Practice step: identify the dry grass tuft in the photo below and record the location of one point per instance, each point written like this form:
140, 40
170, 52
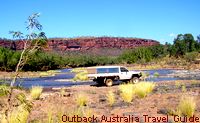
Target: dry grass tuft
142, 89
62, 91
78, 70
127, 92
36, 91
183, 88
19, 115
4, 90
187, 106
111, 98
81, 76
81, 100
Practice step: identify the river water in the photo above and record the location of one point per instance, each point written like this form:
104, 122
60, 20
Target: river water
63, 78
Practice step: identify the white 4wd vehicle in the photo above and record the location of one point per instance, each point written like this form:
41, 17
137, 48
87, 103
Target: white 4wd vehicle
107, 74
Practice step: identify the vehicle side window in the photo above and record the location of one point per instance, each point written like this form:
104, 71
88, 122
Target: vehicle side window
108, 70
102, 70
113, 70
122, 69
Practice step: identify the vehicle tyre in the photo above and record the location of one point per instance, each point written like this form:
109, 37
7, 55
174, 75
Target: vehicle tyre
134, 80
109, 82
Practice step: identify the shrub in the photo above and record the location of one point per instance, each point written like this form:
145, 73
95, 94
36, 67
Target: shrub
19, 115
81, 76
62, 91
4, 90
127, 92
81, 100
50, 117
156, 74
192, 56
183, 88
78, 70
141, 55
178, 84
142, 89
36, 91
111, 98
187, 106
145, 75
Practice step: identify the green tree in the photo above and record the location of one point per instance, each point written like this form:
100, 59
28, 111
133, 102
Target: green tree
32, 42
197, 44
183, 44
8, 59
158, 51
190, 42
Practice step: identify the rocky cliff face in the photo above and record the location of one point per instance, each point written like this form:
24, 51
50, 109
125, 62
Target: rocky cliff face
85, 43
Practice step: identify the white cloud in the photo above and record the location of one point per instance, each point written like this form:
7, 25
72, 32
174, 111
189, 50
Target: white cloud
172, 35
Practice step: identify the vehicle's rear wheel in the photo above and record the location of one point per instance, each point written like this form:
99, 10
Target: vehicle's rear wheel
109, 82
134, 80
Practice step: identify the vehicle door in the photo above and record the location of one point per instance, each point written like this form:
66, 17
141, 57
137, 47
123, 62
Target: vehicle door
124, 74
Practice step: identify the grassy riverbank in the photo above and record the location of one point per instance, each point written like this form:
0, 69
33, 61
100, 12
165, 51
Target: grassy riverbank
29, 74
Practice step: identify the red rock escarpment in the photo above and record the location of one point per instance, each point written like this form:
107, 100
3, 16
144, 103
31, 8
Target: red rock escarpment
85, 43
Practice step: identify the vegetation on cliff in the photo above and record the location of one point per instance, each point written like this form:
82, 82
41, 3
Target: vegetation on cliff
184, 47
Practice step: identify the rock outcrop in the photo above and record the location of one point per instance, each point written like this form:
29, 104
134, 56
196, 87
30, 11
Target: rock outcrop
85, 43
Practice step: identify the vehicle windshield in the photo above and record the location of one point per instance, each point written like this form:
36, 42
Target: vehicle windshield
122, 69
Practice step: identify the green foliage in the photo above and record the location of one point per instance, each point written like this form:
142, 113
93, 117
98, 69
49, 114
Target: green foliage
158, 51
156, 74
183, 44
8, 59
132, 56
143, 54
145, 75
41, 60
192, 56
80, 60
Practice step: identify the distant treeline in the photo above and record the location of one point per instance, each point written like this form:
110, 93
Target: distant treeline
41, 60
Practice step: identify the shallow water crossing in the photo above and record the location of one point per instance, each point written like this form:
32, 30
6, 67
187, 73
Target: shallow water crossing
64, 78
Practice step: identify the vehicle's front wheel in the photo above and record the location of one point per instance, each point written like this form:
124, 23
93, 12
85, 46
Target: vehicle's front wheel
109, 82
134, 80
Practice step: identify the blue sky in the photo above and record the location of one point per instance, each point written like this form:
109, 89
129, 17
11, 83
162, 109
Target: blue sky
161, 20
